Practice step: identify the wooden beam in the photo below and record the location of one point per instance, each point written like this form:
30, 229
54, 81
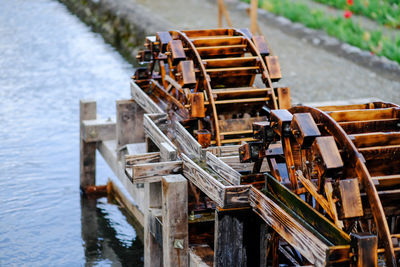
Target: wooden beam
153, 131
362, 115
143, 100
175, 221
226, 172
376, 139
108, 150
150, 172
237, 238
87, 166
253, 16
98, 130
129, 122
186, 141
289, 229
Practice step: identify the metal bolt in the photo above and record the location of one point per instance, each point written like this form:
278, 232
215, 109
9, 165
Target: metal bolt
178, 243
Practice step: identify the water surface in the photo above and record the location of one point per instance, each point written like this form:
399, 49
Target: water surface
48, 61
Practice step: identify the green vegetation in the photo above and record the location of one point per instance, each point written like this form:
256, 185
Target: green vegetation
384, 12
345, 29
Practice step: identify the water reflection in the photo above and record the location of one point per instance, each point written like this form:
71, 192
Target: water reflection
48, 61
107, 237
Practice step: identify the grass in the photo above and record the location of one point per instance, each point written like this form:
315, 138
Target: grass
385, 12
344, 29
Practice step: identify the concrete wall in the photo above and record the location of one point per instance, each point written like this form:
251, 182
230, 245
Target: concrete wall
122, 23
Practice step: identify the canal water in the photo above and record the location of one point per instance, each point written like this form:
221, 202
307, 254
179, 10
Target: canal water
48, 61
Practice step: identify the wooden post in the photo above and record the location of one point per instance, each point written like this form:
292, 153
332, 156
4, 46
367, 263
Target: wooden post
152, 250
175, 220
87, 167
129, 122
238, 235
253, 16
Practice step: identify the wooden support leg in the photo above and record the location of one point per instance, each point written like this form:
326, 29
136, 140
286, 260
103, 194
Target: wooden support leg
87, 167
253, 16
152, 250
129, 122
175, 220
238, 235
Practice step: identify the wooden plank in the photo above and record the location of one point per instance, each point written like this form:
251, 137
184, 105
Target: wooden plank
234, 163
150, 172
226, 172
261, 45
386, 181
365, 246
376, 139
186, 141
362, 115
230, 125
87, 159
207, 33
204, 181
230, 61
323, 227
154, 133
144, 100
304, 129
350, 199
98, 130
213, 41
357, 127
129, 122
284, 97
142, 158
380, 152
289, 229
188, 76
228, 50
177, 51
274, 68
228, 72
108, 150
175, 220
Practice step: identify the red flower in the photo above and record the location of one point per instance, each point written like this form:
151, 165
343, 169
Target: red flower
347, 14
350, 2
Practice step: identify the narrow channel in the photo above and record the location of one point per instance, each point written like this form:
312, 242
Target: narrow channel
48, 61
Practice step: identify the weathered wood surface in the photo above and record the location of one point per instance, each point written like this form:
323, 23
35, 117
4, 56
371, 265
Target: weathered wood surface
167, 152
201, 256
154, 133
224, 196
142, 158
226, 172
175, 221
311, 247
108, 150
144, 100
153, 254
151, 172
87, 159
204, 181
129, 122
98, 130
186, 141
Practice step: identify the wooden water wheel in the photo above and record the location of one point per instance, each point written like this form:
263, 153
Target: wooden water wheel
344, 161
216, 82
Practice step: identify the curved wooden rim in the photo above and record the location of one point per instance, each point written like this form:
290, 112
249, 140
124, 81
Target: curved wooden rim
363, 174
